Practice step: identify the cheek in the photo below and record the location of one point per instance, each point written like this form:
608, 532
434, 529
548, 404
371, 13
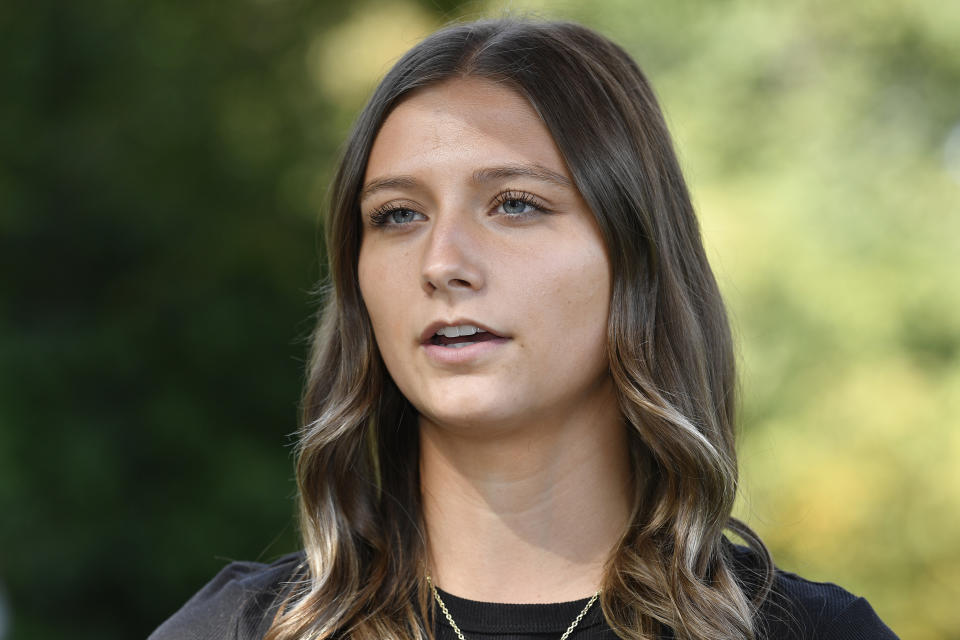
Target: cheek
376, 295
571, 307
577, 289
384, 290
384, 274
374, 276
363, 274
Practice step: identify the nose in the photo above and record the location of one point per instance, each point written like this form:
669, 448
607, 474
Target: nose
452, 258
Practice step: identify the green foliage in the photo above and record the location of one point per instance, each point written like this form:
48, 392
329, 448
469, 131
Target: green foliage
161, 168
157, 242
814, 140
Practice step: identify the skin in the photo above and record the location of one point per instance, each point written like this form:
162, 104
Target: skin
524, 464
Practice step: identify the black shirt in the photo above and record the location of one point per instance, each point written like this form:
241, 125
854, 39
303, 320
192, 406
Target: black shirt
239, 603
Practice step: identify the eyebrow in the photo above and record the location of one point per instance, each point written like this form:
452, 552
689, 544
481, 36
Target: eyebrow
480, 176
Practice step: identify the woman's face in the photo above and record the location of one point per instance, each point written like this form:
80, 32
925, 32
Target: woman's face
471, 220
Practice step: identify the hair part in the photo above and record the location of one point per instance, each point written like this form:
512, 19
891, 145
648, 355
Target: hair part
669, 345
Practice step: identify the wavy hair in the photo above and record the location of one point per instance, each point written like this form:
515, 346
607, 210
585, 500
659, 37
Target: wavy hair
670, 357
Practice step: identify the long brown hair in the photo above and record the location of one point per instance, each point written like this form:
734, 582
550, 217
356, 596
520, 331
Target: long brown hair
670, 354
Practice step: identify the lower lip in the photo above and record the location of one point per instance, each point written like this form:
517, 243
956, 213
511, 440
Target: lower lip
449, 355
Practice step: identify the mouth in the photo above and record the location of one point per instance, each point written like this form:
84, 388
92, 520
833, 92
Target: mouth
457, 334
459, 343
462, 341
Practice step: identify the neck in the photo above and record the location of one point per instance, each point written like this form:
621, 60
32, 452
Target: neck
529, 515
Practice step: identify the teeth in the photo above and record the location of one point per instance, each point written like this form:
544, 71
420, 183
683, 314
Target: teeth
459, 345
460, 330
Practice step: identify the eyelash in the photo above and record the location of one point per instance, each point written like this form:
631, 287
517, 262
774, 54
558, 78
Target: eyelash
520, 196
380, 217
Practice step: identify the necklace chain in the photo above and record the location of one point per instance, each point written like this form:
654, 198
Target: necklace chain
456, 629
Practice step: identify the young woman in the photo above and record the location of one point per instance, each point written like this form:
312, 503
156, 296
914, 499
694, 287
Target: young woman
519, 417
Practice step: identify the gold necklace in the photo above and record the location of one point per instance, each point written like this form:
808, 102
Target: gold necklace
456, 629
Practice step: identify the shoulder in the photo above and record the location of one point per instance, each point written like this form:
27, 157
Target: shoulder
235, 604
802, 609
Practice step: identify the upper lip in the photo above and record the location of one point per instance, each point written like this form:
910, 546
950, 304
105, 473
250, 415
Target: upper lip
432, 328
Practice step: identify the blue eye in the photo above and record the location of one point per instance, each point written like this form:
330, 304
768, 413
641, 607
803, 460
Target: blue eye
392, 216
519, 204
515, 207
399, 216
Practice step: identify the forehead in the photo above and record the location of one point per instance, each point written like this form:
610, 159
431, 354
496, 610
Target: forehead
466, 121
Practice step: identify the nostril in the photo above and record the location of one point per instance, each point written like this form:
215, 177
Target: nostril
457, 282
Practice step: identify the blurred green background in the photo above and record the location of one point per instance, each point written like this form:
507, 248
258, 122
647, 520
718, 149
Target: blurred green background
162, 166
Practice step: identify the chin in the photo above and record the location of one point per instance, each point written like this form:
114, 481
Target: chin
478, 417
